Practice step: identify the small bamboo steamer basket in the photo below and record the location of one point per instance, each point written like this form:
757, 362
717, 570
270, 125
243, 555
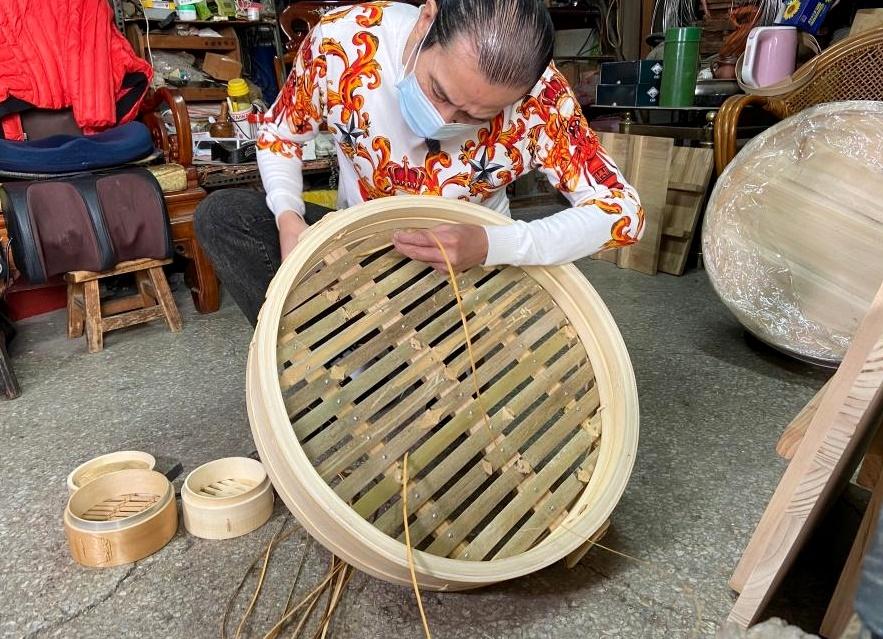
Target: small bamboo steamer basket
359, 356
120, 517
109, 463
226, 498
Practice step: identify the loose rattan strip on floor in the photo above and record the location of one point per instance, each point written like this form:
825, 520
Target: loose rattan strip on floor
374, 364
360, 356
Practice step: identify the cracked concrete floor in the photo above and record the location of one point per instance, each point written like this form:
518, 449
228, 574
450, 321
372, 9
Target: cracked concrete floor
712, 408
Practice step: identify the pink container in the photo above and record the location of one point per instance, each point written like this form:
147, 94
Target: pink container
770, 55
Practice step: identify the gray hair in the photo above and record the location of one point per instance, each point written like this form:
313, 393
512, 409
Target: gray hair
513, 39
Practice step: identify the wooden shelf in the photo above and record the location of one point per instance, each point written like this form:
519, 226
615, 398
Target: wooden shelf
227, 44
203, 94
211, 23
199, 43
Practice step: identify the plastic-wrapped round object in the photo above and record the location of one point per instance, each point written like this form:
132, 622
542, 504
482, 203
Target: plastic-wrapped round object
793, 234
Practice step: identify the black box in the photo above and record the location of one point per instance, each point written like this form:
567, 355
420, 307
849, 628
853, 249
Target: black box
632, 72
616, 94
642, 95
647, 95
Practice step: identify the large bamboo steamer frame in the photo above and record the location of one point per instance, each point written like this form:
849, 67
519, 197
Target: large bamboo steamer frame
334, 523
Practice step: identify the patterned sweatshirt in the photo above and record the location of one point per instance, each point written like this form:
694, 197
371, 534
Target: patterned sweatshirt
345, 75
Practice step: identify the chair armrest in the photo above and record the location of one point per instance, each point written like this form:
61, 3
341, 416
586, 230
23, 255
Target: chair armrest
726, 127
176, 148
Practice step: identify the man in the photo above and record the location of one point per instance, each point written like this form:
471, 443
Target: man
455, 99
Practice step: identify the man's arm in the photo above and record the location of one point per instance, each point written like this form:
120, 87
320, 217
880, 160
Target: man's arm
293, 119
606, 211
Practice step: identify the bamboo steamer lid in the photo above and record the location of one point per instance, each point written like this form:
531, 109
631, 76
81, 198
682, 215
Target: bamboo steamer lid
793, 229
105, 464
360, 356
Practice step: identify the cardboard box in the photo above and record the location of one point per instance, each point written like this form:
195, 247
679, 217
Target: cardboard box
647, 95
220, 67
806, 15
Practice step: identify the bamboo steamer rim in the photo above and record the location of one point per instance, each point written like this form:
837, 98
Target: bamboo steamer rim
339, 528
133, 459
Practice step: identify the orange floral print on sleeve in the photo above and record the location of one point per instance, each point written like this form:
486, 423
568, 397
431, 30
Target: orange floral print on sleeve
300, 106
564, 147
372, 16
363, 71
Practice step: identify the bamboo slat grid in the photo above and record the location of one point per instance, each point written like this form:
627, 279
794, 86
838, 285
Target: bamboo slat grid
120, 507
370, 359
227, 488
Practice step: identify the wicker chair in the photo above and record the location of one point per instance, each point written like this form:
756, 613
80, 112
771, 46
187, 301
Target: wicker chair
851, 69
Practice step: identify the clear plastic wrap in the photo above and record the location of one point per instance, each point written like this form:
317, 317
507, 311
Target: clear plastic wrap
793, 233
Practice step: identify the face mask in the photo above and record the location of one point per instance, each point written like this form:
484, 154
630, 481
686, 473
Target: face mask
419, 113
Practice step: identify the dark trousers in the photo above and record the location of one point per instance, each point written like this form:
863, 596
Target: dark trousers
239, 234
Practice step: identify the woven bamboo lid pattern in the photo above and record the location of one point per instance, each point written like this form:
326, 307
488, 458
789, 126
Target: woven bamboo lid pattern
360, 356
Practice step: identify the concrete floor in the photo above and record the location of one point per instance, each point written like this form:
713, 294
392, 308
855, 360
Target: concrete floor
713, 406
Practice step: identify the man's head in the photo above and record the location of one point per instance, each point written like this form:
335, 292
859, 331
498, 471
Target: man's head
481, 55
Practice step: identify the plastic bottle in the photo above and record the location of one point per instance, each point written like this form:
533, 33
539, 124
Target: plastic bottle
680, 66
237, 90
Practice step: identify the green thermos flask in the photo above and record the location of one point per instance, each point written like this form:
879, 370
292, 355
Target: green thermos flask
680, 66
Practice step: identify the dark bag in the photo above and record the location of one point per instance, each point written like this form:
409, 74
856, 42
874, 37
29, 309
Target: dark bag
85, 223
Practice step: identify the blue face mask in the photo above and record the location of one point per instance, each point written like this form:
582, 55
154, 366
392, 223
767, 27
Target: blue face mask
419, 113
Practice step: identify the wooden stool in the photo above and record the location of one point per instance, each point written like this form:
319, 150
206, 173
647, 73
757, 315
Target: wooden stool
153, 301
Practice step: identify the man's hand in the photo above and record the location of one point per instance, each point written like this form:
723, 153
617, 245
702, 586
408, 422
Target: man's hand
291, 225
466, 246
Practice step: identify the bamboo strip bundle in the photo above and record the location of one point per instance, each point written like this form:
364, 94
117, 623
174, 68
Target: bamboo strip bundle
360, 357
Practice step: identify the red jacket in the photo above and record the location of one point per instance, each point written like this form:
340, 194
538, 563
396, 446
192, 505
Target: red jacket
67, 53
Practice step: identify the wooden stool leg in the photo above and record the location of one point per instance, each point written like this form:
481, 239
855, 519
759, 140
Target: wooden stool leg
201, 279
94, 335
165, 299
793, 434
75, 305
8, 381
145, 289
